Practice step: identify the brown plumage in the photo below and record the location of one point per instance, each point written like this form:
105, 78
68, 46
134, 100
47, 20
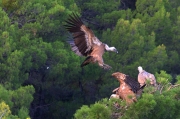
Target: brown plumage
85, 43
128, 88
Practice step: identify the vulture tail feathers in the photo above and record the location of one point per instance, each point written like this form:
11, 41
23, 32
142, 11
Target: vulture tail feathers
140, 91
142, 86
87, 61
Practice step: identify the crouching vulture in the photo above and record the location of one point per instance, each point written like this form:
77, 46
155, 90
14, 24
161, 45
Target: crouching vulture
143, 76
85, 43
129, 88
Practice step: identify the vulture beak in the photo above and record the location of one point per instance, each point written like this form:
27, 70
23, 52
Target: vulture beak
115, 50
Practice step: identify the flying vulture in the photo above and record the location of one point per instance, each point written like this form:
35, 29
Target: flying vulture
129, 88
143, 76
85, 43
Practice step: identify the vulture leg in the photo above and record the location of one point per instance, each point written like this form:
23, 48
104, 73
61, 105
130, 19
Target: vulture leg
106, 67
88, 60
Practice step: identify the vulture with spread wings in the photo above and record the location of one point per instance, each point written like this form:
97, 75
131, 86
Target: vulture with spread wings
85, 43
129, 88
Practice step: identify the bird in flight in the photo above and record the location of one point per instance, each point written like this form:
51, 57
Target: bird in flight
85, 43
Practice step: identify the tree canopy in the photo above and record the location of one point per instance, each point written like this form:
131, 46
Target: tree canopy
41, 77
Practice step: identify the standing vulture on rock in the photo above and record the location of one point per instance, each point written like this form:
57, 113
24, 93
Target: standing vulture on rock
85, 43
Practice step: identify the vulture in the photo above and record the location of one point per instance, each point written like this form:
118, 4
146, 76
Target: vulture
129, 88
144, 75
85, 43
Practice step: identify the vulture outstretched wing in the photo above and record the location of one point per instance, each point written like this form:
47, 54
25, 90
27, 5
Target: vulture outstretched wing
83, 36
135, 86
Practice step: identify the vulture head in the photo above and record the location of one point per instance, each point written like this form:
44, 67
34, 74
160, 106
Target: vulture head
119, 76
140, 69
113, 49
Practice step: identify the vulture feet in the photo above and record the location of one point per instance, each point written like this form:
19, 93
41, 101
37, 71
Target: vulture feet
106, 67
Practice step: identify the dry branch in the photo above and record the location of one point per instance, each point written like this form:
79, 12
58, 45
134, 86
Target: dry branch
173, 86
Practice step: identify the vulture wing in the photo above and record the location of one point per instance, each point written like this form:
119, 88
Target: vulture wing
135, 86
83, 36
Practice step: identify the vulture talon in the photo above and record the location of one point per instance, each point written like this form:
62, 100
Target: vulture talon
107, 67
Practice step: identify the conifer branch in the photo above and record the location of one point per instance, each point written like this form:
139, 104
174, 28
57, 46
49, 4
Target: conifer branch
161, 89
173, 86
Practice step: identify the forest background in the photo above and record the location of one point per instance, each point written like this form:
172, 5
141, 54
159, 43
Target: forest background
41, 77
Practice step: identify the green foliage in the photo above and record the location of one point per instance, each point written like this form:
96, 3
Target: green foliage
23, 96
178, 79
162, 17
23, 113
4, 110
15, 104
154, 106
95, 111
142, 109
83, 113
100, 13
5, 96
135, 47
164, 79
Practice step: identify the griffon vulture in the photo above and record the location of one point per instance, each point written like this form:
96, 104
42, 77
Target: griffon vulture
85, 43
143, 76
129, 88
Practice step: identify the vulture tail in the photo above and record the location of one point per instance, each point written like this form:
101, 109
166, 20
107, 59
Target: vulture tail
87, 61
140, 91
142, 87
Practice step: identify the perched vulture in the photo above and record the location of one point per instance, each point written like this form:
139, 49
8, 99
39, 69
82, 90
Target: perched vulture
85, 43
128, 89
143, 76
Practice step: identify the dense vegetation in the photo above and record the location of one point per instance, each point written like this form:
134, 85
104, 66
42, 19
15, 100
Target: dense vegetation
41, 77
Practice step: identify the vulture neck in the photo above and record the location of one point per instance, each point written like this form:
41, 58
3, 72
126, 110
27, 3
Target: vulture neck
109, 48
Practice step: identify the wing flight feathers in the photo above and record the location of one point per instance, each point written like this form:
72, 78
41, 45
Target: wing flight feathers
135, 86
80, 36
